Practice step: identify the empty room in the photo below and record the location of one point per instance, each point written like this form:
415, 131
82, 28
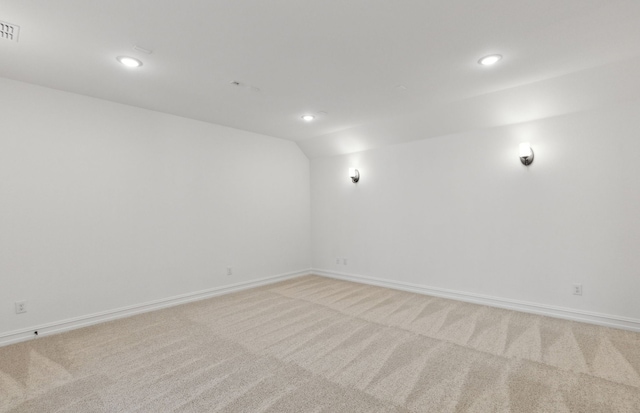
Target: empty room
286, 206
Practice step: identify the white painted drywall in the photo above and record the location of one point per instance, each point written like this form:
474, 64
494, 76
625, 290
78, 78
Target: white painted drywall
597, 87
104, 206
462, 213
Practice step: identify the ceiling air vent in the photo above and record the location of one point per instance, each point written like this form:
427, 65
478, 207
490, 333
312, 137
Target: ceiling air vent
9, 31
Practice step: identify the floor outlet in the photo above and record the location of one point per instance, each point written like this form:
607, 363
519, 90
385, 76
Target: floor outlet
21, 307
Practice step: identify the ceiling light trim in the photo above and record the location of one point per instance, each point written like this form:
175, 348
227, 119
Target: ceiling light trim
490, 60
129, 61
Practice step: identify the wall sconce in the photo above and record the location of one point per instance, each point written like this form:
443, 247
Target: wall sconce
354, 174
526, 154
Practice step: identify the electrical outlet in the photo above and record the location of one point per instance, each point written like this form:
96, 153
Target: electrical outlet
21, 307
229, 271
577, 289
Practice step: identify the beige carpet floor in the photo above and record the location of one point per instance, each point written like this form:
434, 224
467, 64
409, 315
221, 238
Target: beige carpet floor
314, 344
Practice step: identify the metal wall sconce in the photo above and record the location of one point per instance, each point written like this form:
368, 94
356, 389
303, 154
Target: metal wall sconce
354, 174
526, 154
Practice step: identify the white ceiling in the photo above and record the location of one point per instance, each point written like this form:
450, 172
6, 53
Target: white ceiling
345, 58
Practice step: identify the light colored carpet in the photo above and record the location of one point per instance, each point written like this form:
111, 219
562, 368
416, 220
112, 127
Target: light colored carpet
314, 344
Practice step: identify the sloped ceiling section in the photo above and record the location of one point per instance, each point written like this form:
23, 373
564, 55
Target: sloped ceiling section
603, 86
374, 72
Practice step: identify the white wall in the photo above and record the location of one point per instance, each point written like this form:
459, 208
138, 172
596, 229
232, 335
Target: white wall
104, 205
462, 213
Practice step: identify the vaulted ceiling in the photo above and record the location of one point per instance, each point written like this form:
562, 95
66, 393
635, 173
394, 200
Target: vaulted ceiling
373, 72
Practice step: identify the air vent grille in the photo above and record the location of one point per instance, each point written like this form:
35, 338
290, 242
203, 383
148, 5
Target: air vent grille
9, 31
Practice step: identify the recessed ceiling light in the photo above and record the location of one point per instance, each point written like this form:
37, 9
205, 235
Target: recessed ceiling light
308, 118
129, 61
489, 60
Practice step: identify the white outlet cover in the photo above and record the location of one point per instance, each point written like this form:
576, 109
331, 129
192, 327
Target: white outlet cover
21, 307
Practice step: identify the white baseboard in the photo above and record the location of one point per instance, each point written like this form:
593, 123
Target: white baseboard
87, 320
607, 320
